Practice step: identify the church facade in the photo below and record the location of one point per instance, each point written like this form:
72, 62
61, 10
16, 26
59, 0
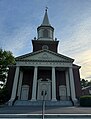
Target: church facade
44, 72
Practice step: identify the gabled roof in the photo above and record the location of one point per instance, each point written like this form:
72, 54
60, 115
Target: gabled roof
76, 66
44, 55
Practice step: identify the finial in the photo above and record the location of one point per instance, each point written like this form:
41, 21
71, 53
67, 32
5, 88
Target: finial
46, 9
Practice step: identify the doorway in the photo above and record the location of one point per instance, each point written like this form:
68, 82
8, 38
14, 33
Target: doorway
44, 86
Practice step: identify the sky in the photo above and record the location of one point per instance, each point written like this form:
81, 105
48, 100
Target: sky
71, 20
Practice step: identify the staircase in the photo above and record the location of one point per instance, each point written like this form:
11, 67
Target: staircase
39, 103
47, 116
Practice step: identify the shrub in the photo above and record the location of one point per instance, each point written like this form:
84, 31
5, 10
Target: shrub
3, 95
85, 100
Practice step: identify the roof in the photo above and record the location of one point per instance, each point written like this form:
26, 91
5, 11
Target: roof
88, 87
45, 55
76, 66
45, 20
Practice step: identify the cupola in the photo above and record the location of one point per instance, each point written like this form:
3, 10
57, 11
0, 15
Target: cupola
45, 31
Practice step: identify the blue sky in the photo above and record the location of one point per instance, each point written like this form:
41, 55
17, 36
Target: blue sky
71, 19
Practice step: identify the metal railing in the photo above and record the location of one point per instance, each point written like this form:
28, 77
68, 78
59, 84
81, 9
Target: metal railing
43, 104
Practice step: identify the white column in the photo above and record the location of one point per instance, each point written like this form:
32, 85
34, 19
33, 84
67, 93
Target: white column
14, 89
20, 84
72, 85
67, 84
34, 84
53, 84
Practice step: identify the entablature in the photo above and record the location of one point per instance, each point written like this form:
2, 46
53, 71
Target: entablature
44, 64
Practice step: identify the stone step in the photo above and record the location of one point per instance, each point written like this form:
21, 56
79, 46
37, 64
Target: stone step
46, 116
39, 103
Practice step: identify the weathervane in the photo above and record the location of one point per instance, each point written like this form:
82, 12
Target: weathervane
46, 9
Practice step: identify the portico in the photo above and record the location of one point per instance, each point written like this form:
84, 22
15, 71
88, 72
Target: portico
49, 80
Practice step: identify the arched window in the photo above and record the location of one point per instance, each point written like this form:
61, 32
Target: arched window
45, 47
45, 33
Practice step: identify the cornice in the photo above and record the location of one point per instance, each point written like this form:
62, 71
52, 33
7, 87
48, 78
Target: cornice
44, 50
42, 61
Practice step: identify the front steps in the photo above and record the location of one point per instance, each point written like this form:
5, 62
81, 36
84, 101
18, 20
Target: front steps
46, 116
39, 103
28, 112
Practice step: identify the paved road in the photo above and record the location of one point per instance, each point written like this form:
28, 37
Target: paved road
49, 110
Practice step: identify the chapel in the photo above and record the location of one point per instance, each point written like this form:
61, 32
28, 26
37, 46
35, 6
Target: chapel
44, 74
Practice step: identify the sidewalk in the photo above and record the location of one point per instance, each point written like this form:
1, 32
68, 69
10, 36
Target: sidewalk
48, 110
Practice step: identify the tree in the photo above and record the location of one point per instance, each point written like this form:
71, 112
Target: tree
85, 83
89, 83
6, 59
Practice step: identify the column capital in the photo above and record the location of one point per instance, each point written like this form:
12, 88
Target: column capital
35, 66
17, 66
70, 67
53, 67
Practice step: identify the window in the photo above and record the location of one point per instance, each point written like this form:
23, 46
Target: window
45, 33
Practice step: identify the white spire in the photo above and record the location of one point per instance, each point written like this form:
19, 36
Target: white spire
46, 20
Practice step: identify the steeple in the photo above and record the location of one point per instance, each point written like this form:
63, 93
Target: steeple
45, 36
46, 19
45, 30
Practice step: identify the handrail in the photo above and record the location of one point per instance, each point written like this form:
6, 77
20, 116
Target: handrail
43, 109
43, 104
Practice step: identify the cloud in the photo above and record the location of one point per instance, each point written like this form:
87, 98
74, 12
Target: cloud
84, 59
72, 21
18, 41
89, 77
78, 46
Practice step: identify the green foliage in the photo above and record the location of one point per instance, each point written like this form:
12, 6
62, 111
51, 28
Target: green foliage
85, 83
85, 101
6, 58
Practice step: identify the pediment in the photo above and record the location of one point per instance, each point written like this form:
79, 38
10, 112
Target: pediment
44, 55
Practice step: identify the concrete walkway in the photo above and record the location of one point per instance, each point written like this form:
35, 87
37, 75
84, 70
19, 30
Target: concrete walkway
49, 110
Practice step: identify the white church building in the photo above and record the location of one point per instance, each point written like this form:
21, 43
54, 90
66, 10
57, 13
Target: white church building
44, 70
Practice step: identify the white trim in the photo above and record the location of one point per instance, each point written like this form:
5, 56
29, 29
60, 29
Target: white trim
67, 83
15, 83
34, 84
45, 64
72, 85
53, 84
40, 52
20, 84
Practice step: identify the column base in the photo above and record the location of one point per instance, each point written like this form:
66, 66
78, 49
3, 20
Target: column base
54, 99
11, 102
75, 101
33, 99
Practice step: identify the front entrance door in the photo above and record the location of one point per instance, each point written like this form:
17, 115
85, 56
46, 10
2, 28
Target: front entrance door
44, 86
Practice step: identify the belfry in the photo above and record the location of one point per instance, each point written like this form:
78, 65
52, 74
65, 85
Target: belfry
44, 70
